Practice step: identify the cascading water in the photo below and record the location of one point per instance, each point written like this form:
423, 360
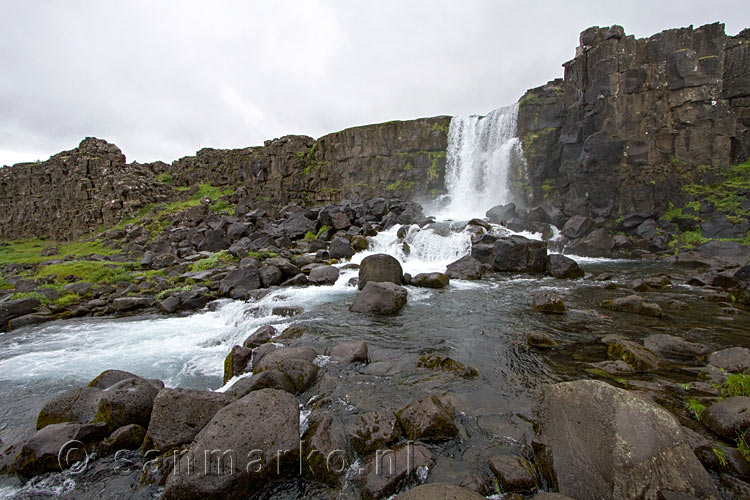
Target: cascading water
480, 153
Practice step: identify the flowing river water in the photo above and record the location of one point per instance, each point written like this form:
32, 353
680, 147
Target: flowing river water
482, 324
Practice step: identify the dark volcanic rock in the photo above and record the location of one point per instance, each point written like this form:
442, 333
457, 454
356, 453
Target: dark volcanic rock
596, 441
350, 352
561, 266
340, 248
465, 268
548, 302
260, 336
14, 309
514, 253
373, 431
633, 304
427, 419
238, 283
430, 280
379, 298
729, 417
733, 359
252, 436
236, 362
385, 474
380, 267
269, 379
323, 275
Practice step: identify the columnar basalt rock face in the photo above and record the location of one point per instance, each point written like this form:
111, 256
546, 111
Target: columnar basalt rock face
75, 192
634, 119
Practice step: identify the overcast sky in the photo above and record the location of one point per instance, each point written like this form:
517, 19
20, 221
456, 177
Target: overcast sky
162, 79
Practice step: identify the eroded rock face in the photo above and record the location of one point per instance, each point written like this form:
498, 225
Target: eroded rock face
595, 441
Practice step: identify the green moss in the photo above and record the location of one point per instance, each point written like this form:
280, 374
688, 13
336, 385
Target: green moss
90, 271
213, 261
322, 230
67, 299
736, 384
29, 251
721, 456
30, 295
530, 99
441, 127
169, 291
696, 407
165, 177
742, 446
689, 239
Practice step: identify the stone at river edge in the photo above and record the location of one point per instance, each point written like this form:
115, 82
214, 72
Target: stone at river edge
248, 443
548, 302
595, 442
379, 298
430, 280
561, 266
380, 267
465, 268
633, 304
427, 419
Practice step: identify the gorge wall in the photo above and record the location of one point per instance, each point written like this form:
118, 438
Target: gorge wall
644, 126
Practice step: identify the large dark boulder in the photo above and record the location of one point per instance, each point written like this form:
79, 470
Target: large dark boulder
237, 361
129, 401
563, 267
297, 225
373, 430
340, 248
247, 444
179, 414
77, 405
350, 352
323, 275
674, 347
598, 243
732, 359
430, 280
295, 362
595, 441
260, 336
500, 214
517, 254
465, 268
427, 419
269, 379
729, 417
380, 267
577, 227
16, 308
386, 473
379, 298
326, 451
240, 282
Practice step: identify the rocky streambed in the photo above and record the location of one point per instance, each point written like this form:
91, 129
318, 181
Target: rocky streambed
440, 353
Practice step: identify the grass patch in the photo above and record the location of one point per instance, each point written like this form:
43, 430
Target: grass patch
67, 299
30, 251
742, 446
164, 293
90, 271
696, 407
212, 262
721, 456
30, 295
690, 239
166, 178
309, 236
736, 384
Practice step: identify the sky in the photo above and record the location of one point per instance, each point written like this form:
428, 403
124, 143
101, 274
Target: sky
162, 79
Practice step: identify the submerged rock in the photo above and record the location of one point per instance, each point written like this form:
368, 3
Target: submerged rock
540, 340
427, 419
373, 430
379, 298
430, 280
548, 302
444, 363
386, 473
633, 304
599, 442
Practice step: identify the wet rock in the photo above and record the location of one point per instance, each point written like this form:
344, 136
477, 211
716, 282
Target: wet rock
373, 431
439, 491
288, 270
292, 332
577, 227
269, 379
264, 424
563, 267
77, 405
295, 362
270, 275
326, 452
729, 417
41, 452
548, 302
239, 282
129, 401
350, 352
599, 243
516, 254
16, 308
379, 298
617, 367
540, 340
465, 268
513, 473
108, 378
712, 375
236, 362
632, 353
733, 359
596, 441
287, 312
430, 280
386, 473
179, 414
260, 336
323, 275
381, 268
340, 248
128, 437
633, 304
674, 347
261, 351
170, 304
427, 419
500, 214
446, 364
124, 304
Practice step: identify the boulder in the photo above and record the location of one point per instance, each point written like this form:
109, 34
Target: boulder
598, 243
513, 473
129, 401
236, 362
633, 304
326, 451
323, 275
465, 268
77, 405
595, 441
446, 364
340, 248
439, 491
239, 282
246, 445
373, 431
427, 419
518, 254
540, 340
733, 359
270, 275
108, 378
379, 298
179, 414
295, 362
430, 280
729, 417
633, 354
548, 302
381, 268
127, 437
500, 214
563, 267
576, 227
674, 347
350, 352
386, 473
269, 379
56, 446
16, 308
260, 336
124, 304
297, 225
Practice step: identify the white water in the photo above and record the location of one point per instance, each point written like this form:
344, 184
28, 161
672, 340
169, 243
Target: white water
478, 159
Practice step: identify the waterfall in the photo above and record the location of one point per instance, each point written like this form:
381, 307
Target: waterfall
480, 153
